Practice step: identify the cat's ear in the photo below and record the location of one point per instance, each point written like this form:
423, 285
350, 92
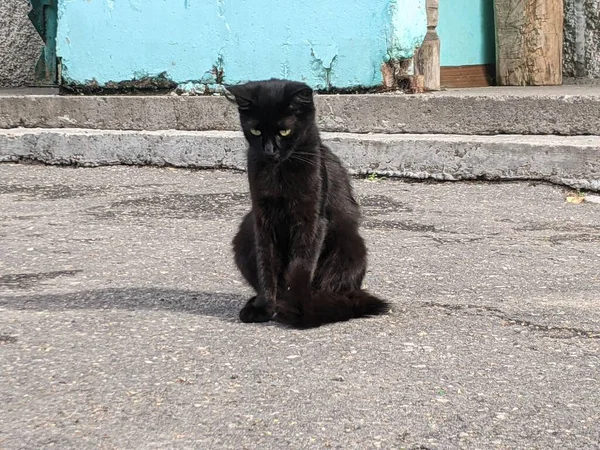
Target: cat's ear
302, 98
239, 94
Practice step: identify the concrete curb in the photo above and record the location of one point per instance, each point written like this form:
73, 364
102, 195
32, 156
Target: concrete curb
572, 110
572, 161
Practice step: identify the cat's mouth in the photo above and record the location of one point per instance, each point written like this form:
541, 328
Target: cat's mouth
274, 158
279, 157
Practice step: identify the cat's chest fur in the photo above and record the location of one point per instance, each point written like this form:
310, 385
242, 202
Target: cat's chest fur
285, 200
291, 187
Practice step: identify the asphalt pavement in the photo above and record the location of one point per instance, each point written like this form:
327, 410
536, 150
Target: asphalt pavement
119, 329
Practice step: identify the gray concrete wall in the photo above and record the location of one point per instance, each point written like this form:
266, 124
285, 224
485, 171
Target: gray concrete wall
582, 39
20, 44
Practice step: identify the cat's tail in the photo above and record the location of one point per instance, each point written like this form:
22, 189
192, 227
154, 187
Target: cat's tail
321, 307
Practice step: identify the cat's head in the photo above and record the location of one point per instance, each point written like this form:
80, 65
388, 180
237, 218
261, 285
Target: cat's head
277, 116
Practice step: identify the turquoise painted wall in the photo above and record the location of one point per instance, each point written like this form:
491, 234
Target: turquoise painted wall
332, 43
466, 30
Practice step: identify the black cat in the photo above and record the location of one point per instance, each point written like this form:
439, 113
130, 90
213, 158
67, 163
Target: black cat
299, 246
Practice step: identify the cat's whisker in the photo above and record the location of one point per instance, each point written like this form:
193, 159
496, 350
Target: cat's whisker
297, 155
307, 161
301, 157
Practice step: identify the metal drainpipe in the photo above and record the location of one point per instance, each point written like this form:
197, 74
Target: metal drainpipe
44, 16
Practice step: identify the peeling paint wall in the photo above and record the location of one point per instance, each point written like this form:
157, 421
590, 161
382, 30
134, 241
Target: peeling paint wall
203, 42
408, 26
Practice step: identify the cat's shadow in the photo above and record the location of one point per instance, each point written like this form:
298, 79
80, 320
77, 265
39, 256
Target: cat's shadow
221, 305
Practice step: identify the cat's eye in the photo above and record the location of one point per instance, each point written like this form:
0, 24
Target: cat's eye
285, 133
255, 132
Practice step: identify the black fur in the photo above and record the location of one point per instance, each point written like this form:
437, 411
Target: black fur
299, 246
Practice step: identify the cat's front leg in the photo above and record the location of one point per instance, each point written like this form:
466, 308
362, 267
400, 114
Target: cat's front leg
268, 262
307, 241
296, 297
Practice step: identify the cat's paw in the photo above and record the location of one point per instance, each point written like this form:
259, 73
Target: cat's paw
287, 311
288, 316
252, 314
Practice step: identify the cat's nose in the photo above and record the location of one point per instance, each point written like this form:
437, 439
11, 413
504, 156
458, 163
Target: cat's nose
269, 148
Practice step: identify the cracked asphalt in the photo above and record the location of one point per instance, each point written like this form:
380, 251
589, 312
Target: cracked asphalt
119, 329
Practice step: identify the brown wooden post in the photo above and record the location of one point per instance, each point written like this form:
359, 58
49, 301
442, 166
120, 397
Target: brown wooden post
529, 42
427, 58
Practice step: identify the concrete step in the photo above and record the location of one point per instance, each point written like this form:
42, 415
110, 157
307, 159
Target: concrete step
570, 160
561, 110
